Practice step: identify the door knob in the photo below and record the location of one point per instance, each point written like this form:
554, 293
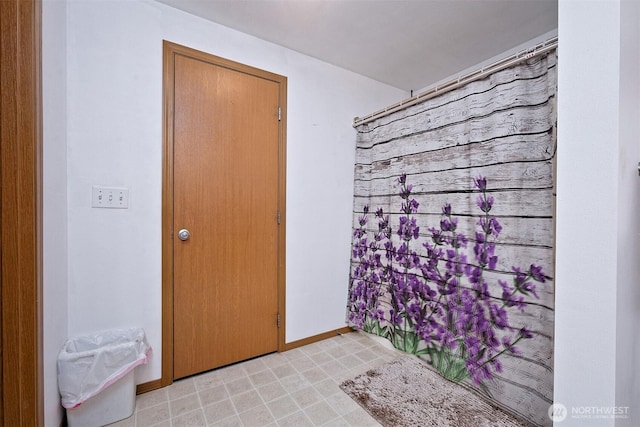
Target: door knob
184, 234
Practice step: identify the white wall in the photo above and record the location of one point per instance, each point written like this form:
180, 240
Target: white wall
516, 49
114, 86
628, 299
597, 302
114, 138
55, 307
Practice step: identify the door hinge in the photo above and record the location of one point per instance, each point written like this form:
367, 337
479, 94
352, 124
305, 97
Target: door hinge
279, 217
278, 320
279, 114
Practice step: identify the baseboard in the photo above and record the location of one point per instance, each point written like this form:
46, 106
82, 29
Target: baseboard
316, 338
150, 386
156, 384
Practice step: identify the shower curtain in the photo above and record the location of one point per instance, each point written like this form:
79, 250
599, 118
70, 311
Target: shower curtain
453, 234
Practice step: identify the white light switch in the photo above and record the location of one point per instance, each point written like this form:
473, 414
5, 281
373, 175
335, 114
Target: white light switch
109, 197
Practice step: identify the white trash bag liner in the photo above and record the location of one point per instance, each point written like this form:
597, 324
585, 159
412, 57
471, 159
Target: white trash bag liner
89, 364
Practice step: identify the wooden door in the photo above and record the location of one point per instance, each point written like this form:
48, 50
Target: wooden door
226, 171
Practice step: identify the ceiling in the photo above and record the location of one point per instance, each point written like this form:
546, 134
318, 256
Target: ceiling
408, 44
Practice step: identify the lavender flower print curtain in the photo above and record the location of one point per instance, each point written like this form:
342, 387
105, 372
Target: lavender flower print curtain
453, 234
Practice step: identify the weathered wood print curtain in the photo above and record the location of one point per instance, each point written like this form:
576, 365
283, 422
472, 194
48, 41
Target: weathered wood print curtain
453, 234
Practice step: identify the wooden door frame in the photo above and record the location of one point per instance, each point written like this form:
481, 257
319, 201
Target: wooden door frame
21, 372
169, 52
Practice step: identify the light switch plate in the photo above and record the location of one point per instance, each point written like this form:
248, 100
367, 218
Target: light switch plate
109, 197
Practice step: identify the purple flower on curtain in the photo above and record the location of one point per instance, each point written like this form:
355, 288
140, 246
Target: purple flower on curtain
537, 274
485, 203
480, 182
437, 302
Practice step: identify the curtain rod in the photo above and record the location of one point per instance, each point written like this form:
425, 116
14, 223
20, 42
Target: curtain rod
507, 62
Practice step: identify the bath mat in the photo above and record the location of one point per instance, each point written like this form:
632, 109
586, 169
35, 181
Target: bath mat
405, 392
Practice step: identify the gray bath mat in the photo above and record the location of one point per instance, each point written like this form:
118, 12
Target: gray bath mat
405, 392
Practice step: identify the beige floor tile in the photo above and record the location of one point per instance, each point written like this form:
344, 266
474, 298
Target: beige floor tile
367, 355
342, 403
253, 366
294, 383
245, 401
306, 396
213, 394
232, 373
208, 380
274, 359
303, 363
327, 387
257, 417
337, 351
296, 388
350, 361
127, 422
284, 370
320, 413
298, 419
334, 367
338, 422
314, 348
262, 378
360, 418
151, 398
239, 385
271, 391
219, 411
181, 388
190, 419
233, 421
314, 375
153, 415
184, 404
283, 407
320, 358
294, 354
339, 373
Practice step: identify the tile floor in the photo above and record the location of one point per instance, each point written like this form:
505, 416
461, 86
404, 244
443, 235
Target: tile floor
296, 388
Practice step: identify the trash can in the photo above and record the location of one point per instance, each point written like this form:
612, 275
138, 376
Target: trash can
96, 376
